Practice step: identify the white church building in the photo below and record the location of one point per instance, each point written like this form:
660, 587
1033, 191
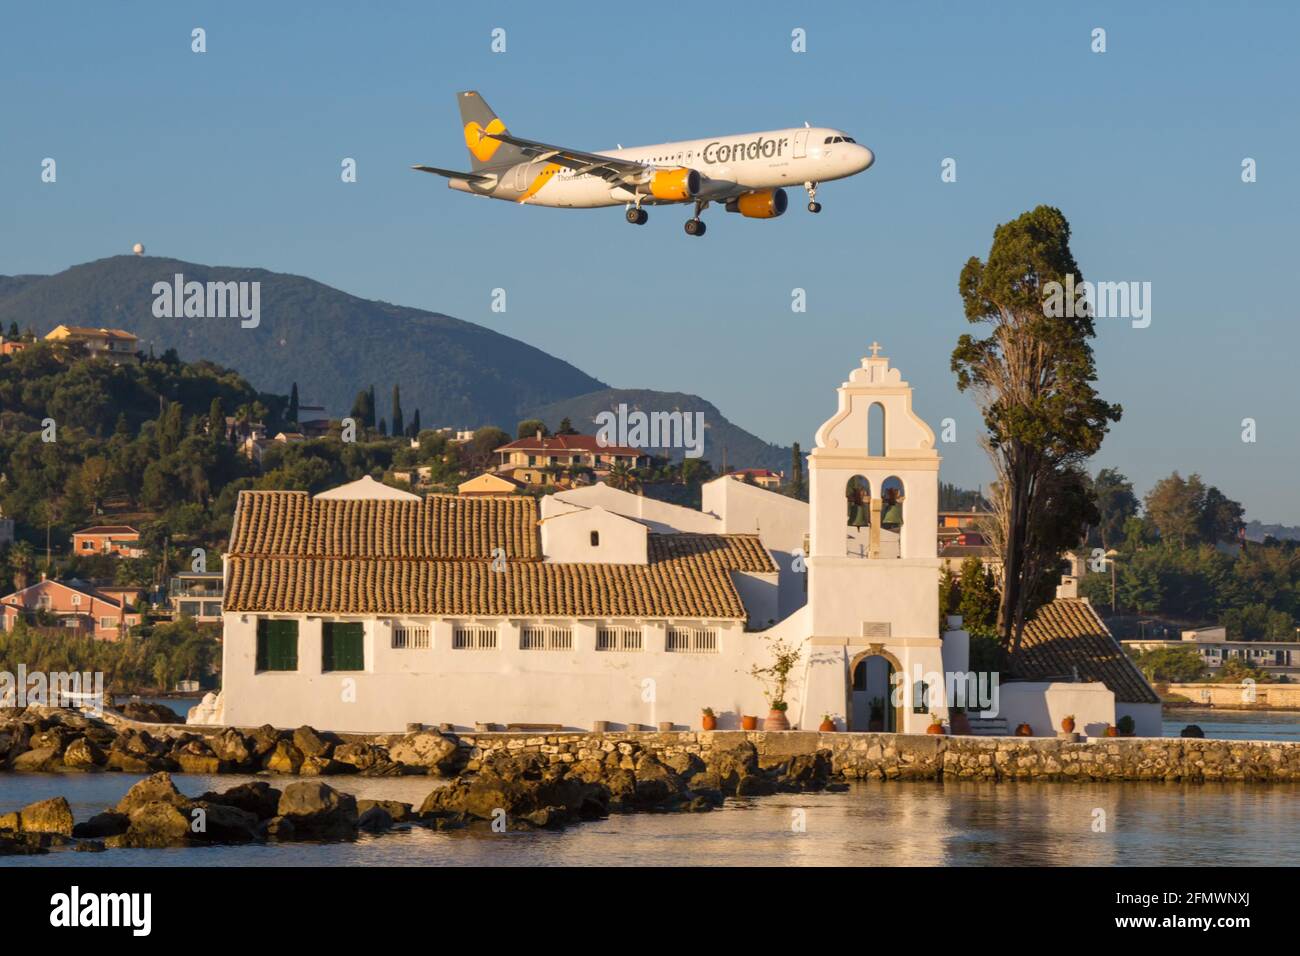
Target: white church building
366, 608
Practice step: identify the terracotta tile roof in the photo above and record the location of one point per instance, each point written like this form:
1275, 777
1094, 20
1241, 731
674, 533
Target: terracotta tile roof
108, 529
441, 527
1067, 634
291, 553
570, 443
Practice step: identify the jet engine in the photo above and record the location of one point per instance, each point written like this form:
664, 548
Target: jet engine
766, 204
675, 184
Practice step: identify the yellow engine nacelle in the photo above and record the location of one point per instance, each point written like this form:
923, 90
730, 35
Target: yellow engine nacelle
767, 204
675, 184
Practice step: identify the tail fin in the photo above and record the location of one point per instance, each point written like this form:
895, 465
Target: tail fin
477, 118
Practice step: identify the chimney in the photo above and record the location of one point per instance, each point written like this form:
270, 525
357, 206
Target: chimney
539, 434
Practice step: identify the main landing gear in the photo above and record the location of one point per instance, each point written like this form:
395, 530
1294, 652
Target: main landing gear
813, 204
695, 226
637, 216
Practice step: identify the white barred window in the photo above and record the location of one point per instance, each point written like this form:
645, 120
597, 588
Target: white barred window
410, 637
692, 640
473, 637
545, 637
616, 638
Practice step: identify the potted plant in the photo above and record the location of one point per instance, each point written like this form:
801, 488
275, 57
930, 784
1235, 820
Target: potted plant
936, 725
748, 722
958, 721
708, 720
1112, 731
776, 719
1126, 726
777, 676
1024, 730
1067, 723
827, 724
876, 723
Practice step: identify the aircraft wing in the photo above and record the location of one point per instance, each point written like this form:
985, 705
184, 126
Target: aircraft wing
452, 174
609, 168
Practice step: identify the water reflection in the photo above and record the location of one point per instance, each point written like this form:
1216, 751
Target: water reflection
954, 823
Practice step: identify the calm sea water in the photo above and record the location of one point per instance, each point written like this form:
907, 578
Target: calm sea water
1235, 724
952, 823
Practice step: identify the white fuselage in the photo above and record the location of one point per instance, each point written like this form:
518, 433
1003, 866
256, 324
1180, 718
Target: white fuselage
728, 166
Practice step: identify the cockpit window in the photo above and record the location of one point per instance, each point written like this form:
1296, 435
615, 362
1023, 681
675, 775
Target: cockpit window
839, 139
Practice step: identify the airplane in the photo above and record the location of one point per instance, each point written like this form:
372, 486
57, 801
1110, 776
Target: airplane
746, 174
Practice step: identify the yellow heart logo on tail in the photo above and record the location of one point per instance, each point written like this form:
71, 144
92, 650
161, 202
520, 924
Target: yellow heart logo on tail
482, 147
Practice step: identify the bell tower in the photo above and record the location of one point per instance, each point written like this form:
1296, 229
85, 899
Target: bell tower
873, 567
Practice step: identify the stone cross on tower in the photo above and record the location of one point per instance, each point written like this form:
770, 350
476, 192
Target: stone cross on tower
875, 349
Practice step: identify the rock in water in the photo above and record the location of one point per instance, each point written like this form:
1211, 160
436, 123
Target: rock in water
318, 811
426, 749
258, 798
151, 713
156, 789
47, 816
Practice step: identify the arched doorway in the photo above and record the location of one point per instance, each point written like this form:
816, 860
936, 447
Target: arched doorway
871, 693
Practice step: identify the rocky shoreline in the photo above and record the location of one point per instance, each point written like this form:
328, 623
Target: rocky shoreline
499, 789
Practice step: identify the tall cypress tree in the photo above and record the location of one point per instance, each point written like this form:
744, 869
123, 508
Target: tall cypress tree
399, 424
796, 472
293, 403
373, 410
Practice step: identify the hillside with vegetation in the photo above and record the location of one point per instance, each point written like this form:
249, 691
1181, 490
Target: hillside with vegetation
457, 373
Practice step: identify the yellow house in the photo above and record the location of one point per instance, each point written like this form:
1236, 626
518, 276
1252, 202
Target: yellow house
111, 343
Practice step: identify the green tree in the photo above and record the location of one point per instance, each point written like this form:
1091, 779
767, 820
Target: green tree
566, 427
530, 427
1221, 518
1170, 664
1174, 505
291, 415
1116, 503
399, 423
1033, 377
978, 604
796, 471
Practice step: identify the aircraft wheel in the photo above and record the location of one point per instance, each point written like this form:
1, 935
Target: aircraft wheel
634, 216
814, 207
641, 217
694, 227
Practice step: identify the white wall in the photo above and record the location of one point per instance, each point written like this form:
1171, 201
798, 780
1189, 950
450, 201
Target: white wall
505, 685
662, 517
780, 522
1043, 705
566, 538
1148, 719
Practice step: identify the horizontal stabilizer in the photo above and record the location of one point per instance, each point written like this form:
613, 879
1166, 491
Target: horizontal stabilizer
452, 174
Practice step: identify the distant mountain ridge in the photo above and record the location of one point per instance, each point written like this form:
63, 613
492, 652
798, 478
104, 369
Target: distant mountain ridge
333, 344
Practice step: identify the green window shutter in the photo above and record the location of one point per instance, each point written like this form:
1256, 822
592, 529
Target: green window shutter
277, 645
342, 646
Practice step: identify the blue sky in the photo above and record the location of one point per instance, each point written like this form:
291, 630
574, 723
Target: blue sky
232, 157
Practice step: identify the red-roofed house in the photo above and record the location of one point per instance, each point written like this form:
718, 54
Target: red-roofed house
118, 540
759, 476
527, 459
102, 614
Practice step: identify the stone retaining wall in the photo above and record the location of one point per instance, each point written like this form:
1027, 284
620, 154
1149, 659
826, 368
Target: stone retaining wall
922, 757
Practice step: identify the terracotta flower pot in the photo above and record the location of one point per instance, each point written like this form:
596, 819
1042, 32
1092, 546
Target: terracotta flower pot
959, 722
748, 722
1024, 730
1112, 731
1067, 725
827, 726
935, 728
776, 720
876, 725
708, 722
